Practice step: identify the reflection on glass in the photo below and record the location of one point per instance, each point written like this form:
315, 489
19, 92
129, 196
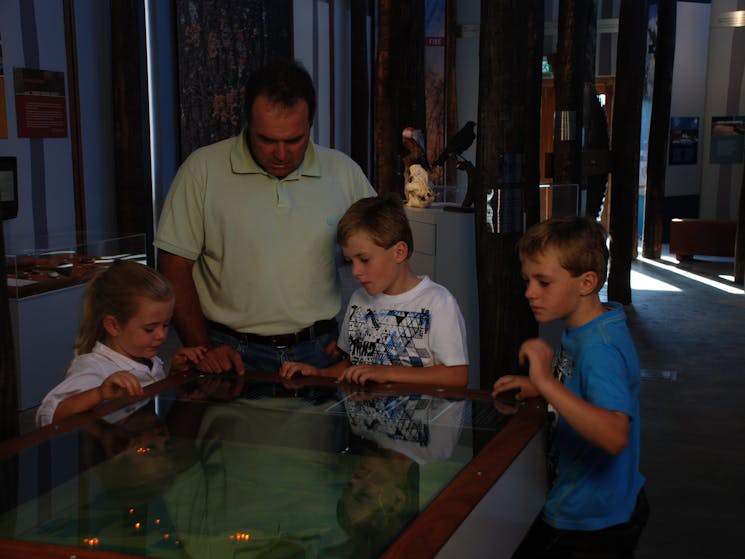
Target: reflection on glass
504, 210
234, 468
558, 199
393, 437
489, 210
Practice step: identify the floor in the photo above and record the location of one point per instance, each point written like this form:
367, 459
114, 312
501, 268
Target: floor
689, 327
688, 324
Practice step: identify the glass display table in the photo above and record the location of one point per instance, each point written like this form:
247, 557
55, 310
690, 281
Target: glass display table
218, 466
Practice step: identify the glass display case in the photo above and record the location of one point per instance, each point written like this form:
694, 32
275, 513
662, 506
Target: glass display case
45, 288
64, 261
251, 466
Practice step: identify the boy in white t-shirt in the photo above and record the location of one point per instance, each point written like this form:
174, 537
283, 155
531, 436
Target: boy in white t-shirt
398, 327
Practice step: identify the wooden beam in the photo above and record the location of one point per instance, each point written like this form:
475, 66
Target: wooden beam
659, 129
507, 174
76, 146
632, 35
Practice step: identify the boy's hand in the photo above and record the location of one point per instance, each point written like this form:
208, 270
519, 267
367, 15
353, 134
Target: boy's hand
539, 357
119, 383
185, 357
522, 384
291, 368
360, 374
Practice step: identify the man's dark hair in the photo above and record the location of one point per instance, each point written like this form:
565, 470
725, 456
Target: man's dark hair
284, 82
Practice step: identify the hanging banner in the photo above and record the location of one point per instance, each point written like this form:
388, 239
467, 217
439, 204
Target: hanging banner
40, 103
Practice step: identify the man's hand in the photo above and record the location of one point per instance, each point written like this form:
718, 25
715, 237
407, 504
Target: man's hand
221, 359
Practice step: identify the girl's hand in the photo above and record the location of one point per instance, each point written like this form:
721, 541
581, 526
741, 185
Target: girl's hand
118, 384
291, 368
185, 357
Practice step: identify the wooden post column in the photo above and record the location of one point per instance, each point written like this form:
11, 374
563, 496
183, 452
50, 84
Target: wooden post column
507, 174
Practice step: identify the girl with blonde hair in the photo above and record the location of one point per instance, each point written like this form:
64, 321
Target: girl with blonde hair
126, 313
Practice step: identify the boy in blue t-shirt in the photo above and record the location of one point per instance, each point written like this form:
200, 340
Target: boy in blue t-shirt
596, 506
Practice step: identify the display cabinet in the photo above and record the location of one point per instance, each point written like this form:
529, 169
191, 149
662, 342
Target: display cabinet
45, 282
253, 466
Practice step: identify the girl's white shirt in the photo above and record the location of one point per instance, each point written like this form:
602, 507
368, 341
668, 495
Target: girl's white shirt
89, 371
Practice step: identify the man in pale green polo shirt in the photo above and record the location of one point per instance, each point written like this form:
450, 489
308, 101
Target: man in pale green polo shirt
247, 233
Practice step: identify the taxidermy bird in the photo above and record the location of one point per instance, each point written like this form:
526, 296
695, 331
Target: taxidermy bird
413, 139
413, 143
459, 143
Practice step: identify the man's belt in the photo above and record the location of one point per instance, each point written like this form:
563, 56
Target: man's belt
280, 341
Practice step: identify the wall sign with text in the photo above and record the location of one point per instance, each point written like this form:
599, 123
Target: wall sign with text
40, 103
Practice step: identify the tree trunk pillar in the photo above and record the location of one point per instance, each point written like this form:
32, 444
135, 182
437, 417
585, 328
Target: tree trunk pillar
632, 33
507, 169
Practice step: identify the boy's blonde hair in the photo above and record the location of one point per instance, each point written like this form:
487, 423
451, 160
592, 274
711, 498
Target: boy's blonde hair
383, 218
112, 291
581, 244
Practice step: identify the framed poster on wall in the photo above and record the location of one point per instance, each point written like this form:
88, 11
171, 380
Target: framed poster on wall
727, 139
683, 140
41, 104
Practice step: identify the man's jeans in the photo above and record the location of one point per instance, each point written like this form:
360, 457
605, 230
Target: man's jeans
264, 358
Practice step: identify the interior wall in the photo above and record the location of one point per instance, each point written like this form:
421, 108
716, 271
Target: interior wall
689, 89
92, 25
163, 88
725, 96
32, 34
467, 19
315, 46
